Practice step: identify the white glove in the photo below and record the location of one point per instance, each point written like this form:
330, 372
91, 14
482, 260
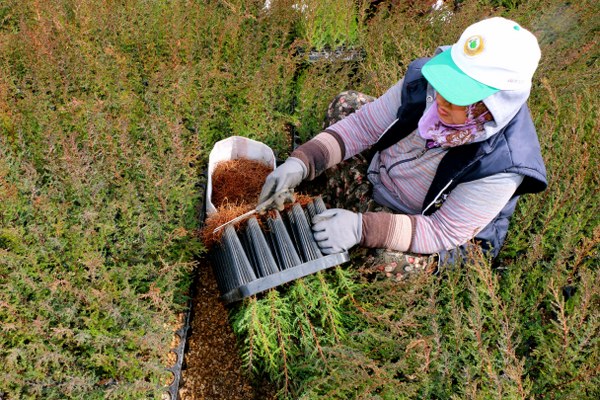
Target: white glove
287, 176
337, 230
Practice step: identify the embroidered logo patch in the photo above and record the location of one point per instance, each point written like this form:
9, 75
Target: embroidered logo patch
473, 45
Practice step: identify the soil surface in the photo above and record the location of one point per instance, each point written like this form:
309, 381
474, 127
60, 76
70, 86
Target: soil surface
212, 366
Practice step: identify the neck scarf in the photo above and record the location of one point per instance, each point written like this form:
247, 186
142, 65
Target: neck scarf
439, 134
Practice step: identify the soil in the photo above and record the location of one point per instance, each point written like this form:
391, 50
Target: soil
212, 367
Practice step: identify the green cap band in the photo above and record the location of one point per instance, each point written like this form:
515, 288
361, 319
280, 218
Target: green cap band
452, 83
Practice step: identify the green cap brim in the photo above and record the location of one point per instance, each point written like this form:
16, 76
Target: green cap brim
453, 84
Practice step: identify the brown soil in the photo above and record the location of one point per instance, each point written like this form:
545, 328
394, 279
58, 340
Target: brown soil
226, 213
213, 368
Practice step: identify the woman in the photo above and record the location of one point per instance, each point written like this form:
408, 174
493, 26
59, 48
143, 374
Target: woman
455, 148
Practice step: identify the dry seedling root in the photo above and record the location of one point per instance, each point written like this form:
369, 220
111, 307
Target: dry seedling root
238, 181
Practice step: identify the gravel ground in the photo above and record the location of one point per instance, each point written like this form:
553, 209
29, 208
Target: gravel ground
213, 368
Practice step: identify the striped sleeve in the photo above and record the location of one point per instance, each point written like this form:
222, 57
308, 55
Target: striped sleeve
351, 135
469, 208
386, 230
323, 151
362, 129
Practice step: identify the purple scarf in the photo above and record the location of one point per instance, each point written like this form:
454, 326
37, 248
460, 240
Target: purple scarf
439, 134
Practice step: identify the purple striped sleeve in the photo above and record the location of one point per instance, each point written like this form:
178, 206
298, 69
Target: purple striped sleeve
466, 211
363, 128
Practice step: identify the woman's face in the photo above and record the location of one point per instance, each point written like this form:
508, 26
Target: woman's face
450, 113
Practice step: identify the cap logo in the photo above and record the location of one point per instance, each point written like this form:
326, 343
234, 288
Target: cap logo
473, 45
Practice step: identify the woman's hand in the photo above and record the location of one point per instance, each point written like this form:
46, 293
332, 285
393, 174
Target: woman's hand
337, 230
287, 176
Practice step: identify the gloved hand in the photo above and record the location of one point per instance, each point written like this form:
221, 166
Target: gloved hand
277, 201
337, 230
287, 176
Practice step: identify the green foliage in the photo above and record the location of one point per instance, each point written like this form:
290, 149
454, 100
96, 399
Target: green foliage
98, 189
328, 23
285, 332
507, 4
318, 84
467, 334
107, 114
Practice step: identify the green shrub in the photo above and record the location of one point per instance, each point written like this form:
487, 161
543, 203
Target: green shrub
107, 114
328, 23
285, 333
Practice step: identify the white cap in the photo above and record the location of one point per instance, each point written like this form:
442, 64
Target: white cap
498, 53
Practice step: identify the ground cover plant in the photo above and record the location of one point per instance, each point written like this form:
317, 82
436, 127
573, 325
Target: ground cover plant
108, 111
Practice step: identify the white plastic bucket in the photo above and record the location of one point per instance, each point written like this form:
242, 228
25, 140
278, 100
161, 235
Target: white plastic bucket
233, 148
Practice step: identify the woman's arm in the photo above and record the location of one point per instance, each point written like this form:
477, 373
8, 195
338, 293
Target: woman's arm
351, 135
469, 208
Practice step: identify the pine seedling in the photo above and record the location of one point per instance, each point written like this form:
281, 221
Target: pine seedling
567, 354
286, 331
